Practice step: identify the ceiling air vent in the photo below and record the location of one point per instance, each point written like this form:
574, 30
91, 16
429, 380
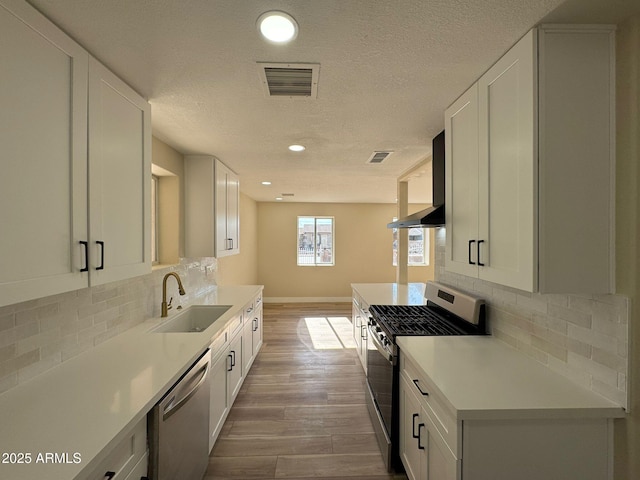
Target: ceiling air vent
379, 157
293, 80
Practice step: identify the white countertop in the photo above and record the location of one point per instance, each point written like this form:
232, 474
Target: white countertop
391, 293
480, 377
88, 403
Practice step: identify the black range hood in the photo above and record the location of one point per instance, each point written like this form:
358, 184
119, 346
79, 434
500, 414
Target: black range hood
432, 216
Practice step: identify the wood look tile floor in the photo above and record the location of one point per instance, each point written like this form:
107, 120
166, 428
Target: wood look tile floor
301, 412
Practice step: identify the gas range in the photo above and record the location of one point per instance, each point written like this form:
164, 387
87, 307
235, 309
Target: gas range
447, 312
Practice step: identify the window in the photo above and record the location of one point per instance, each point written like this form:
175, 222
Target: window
418, 247
315, 241
154, 219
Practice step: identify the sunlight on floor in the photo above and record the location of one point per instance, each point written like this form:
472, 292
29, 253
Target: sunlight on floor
330, 333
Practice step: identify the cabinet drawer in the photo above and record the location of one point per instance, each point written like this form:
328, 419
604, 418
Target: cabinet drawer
432, 404
235, 325
249, 311
141, 468
219, 344
125, 455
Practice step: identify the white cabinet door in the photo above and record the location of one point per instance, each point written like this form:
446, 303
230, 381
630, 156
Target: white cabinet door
507, 169
461, 191
120, 178
247, 344
233, 212
234, 367
43, 130
219, 396
410, 420
227, 211
257, 330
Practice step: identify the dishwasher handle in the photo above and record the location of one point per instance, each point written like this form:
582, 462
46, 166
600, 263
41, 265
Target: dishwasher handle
173, 406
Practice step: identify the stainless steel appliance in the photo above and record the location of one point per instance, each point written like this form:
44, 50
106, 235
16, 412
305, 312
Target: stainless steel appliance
447, 312
179, 427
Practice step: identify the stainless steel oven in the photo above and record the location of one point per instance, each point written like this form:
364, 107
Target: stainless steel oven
382, 379
446, 312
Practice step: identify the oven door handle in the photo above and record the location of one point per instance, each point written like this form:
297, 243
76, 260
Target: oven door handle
376, 343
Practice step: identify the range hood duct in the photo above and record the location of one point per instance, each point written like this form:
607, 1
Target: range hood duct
432, 216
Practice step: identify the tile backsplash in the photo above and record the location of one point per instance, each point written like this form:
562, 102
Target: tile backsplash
583, 337
40, 334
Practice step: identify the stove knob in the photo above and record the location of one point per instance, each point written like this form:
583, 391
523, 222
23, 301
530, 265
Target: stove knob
378, 329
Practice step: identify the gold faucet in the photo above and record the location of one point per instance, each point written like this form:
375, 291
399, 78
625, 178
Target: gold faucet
166, 307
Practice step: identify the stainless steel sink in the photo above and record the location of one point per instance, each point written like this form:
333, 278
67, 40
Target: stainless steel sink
194, 319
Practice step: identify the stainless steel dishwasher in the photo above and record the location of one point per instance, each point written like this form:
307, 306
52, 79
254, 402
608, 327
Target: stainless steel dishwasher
179, 427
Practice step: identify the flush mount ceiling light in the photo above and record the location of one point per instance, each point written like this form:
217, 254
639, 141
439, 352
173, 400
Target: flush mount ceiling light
297, 148
266, 183
277, 27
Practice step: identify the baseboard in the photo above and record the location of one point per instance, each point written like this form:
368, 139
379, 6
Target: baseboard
307, 299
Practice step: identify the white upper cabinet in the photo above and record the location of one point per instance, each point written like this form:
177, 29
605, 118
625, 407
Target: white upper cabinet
543, 219
120, 178
227, 211
43, 133
58, 105
212, 216
461, 188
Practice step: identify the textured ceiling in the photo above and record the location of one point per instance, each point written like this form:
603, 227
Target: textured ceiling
388, 69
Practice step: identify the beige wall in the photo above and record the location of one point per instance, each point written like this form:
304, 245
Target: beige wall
171, 205
627, 431
242, 269
363, 250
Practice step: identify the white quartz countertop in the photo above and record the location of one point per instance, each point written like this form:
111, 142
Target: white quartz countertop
87, 404
480, 377
391, 293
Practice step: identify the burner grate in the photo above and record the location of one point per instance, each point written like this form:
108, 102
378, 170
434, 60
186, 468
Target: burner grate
414, 320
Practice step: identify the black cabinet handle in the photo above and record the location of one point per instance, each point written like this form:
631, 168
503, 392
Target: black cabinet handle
413, 426
471, 242
420, 436
101, 266
255, 324
230, 363
479, 243
86, 256
109, 474
233, 360
419, 389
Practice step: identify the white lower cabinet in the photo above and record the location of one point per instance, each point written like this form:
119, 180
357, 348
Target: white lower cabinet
128, 456
235, 375
359, 319
256, 326
219, 395
232, 354
139, 472
423, 451
434, 445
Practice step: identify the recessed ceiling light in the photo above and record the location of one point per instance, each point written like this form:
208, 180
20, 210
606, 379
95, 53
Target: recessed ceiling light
297, 148
266, 183
277, 27
278, 198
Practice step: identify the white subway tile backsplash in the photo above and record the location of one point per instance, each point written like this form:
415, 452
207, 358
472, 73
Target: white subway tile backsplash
583, 337
39, 334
